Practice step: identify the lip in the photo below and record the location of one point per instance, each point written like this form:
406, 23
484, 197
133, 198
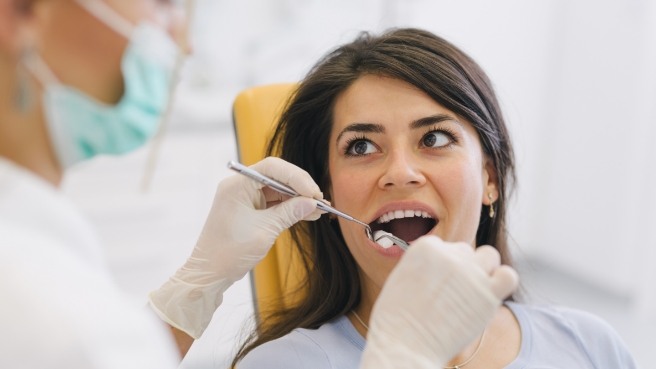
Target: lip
396, 251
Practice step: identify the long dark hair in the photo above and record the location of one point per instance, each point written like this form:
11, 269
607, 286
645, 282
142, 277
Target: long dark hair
432, 64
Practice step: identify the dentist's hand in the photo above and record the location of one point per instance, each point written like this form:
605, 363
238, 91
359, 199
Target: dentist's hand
243, 223
439, 297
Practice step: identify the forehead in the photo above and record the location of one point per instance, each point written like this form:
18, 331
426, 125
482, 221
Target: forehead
383, 100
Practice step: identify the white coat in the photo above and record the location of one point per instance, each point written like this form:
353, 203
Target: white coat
59, 307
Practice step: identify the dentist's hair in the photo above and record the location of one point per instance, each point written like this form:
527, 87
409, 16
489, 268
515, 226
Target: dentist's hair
443, 72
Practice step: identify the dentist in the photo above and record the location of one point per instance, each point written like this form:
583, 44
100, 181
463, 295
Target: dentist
81, 78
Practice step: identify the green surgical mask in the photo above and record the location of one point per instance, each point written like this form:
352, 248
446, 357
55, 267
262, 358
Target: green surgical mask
81, 127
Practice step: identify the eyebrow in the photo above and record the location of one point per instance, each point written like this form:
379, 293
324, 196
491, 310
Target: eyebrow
362, 127
379, 128
433, 119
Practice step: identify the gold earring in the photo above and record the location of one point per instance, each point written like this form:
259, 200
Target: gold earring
489, 196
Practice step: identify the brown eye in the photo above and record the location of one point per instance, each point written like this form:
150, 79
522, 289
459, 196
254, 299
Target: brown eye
429, 140
360, 147
436, 139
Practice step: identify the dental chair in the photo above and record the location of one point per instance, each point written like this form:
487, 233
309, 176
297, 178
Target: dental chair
255, 112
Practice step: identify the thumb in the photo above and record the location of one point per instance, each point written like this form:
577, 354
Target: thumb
504, 281
289, 212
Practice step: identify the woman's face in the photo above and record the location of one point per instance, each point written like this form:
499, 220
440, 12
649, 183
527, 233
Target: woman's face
403, 163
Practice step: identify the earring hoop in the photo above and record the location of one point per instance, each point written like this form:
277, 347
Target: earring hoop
492, 212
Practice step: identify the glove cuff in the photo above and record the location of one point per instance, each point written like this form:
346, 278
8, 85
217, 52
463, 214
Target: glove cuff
188, 307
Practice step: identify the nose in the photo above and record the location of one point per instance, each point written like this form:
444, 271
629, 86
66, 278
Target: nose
401, 171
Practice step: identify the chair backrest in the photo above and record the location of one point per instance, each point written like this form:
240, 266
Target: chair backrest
255, 113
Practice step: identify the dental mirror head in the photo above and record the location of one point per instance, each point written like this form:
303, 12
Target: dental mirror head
387, 240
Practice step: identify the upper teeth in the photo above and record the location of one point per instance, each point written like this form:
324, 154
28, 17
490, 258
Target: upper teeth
399, 214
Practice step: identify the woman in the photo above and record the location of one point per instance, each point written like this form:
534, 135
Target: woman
404, 131
82, 78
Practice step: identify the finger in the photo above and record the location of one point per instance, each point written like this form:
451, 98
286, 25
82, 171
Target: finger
431, 247
488, 258
504, 281
459, 250
273, 197
289, 174
426, 241
288, 213
315, 215
241, 189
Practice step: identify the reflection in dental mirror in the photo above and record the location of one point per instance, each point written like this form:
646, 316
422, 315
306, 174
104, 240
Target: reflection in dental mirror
386, 240
381, 240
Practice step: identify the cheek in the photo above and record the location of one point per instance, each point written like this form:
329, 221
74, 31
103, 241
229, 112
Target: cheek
348, 184
346, 187
460, 188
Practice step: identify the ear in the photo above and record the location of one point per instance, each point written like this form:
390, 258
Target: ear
490, 183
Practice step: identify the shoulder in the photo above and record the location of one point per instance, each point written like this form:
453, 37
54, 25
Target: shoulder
574, 333
567, 320
292, 351
335, 344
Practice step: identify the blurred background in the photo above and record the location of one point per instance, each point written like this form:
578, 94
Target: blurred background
577, 82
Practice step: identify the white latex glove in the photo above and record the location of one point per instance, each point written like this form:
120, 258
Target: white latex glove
438, 299
243, 223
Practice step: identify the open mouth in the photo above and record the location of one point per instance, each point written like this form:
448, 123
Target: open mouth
408, 225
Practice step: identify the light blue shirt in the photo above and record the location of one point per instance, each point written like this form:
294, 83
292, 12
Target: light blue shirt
552, 337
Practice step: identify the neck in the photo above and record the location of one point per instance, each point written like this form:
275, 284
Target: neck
24, 138
369, 291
